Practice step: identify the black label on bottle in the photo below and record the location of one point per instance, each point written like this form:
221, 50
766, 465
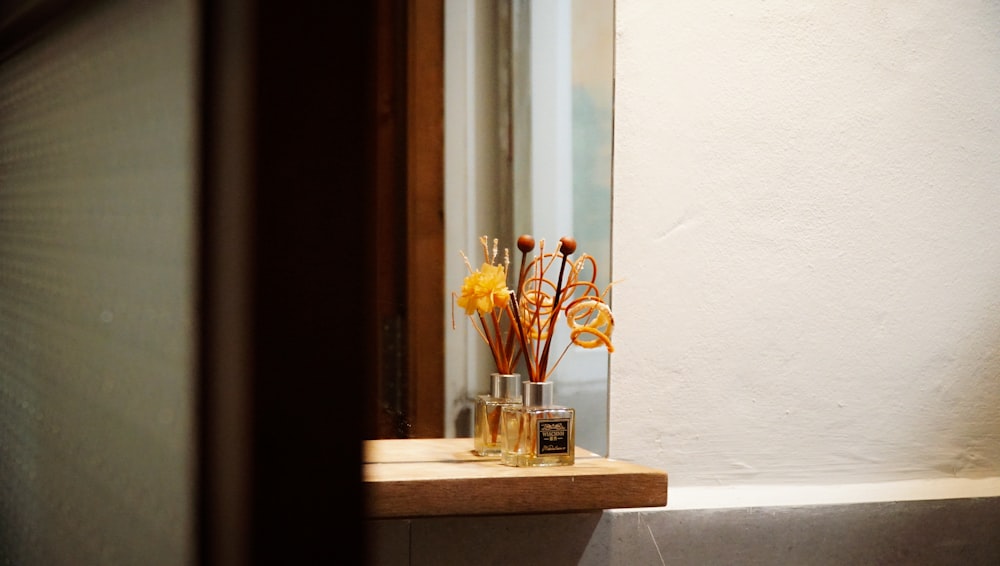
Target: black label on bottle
553, 436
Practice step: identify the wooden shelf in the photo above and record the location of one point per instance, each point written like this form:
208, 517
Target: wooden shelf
442, 476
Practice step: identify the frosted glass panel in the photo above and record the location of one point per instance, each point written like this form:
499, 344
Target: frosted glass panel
97, 177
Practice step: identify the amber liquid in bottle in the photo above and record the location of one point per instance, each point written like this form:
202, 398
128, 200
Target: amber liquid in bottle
505, 391
538, 433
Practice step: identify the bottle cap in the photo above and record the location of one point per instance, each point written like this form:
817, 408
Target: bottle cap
505, 385
537, 393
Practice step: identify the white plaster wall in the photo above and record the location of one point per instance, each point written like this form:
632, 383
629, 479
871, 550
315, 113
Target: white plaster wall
807, 234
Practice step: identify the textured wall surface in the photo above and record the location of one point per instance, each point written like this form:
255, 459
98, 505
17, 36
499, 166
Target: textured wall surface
97, 166
807, 230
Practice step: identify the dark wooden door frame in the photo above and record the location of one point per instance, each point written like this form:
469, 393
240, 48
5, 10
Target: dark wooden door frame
288, 163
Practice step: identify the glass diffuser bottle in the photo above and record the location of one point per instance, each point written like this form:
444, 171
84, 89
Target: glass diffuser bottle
505, 391
538, 432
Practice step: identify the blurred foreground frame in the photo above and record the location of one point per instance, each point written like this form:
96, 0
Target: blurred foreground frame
284, 272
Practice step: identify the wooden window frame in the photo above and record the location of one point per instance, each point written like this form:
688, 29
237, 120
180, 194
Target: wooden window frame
408, 398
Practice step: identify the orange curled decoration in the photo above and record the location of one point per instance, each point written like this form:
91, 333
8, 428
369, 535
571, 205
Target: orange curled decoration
600, 326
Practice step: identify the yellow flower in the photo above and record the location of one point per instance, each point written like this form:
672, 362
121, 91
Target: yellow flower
485, 289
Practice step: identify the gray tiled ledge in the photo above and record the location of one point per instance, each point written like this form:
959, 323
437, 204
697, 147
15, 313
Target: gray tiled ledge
946, 532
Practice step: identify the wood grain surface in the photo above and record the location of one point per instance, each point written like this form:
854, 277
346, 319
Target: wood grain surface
443, 476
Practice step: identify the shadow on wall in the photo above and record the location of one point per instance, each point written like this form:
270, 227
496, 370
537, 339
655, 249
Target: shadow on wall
969, 415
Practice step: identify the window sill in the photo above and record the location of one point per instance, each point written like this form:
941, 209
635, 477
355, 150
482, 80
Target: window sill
442, 477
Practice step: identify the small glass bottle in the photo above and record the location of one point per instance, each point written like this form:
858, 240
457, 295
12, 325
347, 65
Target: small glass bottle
538, 433
505, 390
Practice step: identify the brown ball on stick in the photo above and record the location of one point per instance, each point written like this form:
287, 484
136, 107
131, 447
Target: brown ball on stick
525, 243
568, 245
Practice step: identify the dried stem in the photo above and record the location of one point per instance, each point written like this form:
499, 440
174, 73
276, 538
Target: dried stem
552, 319
516, 317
